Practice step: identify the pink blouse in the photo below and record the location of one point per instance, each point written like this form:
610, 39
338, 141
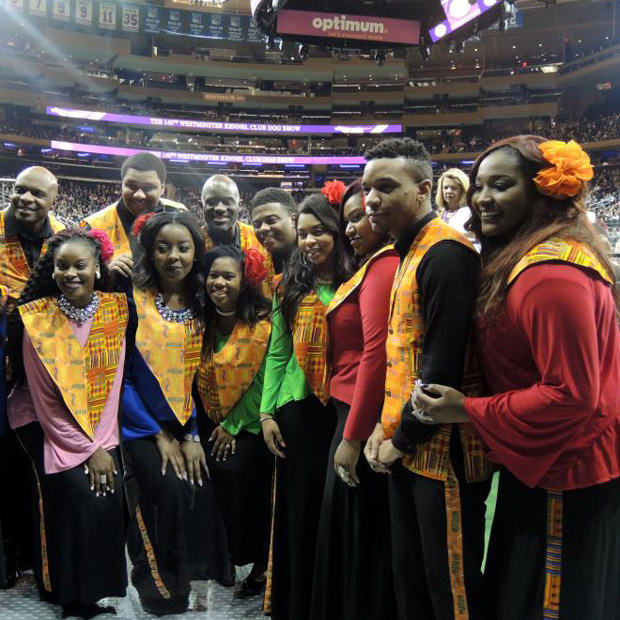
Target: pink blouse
65, 445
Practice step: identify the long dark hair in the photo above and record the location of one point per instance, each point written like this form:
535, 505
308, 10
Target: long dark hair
145, 275
252, 305
549, 217
350, 263
41, 284
299, 276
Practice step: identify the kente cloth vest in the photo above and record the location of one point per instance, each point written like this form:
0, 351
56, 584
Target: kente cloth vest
555, 249
84, 375
404, 347
4, 295
14, 268
225, 376
109, 221
348, 287
310, 342
170, 350
248, 239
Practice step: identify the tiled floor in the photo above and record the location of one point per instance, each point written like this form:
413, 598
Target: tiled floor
208, 601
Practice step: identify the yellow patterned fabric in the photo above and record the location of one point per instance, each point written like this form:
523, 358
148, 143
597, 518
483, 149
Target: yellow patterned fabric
404, 357
14, 268
4, 295
563, 250
83, 375
348, 287
108, 220
171, 351
224, 377
249, 240
310, 343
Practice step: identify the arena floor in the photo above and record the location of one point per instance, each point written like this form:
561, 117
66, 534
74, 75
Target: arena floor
209, 601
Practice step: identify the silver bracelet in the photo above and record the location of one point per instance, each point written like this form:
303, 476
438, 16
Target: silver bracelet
190, 437
264, 419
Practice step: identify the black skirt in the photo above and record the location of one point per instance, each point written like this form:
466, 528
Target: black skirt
243, 489
589, 564
353, 565
80, 541
176, 532
307, 428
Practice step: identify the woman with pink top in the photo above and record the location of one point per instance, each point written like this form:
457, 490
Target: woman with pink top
68, 347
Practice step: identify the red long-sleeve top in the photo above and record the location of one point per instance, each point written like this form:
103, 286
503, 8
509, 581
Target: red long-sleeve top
357, 334
553, 362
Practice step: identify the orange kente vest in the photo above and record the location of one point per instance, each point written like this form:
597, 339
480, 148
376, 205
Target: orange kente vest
171, 351
84, 375
248, 239
556, 249
109, 221
310, 342
4, 296
348, 287
404, 357
225, 376
14, 268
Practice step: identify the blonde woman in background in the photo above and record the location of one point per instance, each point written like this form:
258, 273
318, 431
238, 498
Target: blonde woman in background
451, 198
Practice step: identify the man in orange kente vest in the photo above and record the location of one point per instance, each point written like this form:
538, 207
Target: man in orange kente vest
221, 202
25, 226
439, 477
143, 181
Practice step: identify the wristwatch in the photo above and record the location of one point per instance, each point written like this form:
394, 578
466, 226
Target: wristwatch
190, 437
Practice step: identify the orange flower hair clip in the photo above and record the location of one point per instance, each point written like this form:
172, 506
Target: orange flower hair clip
570, 169
334, 191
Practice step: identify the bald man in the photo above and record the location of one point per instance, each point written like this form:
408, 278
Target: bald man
220, 202
25, 226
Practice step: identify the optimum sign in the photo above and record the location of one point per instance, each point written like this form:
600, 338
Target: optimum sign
380, 29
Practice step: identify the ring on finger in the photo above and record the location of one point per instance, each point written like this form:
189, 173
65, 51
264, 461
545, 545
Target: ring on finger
103, 479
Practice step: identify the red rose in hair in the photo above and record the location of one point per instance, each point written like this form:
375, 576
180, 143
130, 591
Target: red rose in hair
107, 248
141, 220
334, 191
255, 270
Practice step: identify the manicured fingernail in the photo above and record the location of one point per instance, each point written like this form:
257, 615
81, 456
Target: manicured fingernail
92, 488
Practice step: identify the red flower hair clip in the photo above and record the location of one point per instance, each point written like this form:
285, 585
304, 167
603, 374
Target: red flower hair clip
141, 220
255, 269
334, 191
107, 248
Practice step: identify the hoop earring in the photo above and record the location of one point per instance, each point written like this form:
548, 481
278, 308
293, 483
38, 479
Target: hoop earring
97, 275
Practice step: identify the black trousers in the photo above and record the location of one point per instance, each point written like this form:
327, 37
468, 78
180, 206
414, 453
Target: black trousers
80, 538
438, 543
307, 428
16, 529
590, 557
353, 564
176, 532
243, 489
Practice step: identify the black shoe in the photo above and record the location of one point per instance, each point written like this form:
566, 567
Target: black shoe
251, 587
12, 575
165, 607
228, 579
77, 610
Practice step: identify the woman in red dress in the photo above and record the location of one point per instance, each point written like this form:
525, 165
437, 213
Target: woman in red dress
549, 346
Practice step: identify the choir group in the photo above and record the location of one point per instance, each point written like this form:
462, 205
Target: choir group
324, 394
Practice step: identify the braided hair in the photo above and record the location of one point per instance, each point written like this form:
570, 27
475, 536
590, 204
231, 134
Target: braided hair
41, 284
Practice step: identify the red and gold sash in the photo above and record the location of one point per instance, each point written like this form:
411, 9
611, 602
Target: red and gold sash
108, 220
224, 377
248, 239
84, 375
171, 351
563, 250
404, 347
352, 283
14, 268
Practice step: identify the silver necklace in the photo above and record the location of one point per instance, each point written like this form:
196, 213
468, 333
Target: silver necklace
175, 316
222, 313
79, 315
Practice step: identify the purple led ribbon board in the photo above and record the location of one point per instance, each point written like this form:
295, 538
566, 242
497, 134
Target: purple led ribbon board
195, 125
459, 13
211, 158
